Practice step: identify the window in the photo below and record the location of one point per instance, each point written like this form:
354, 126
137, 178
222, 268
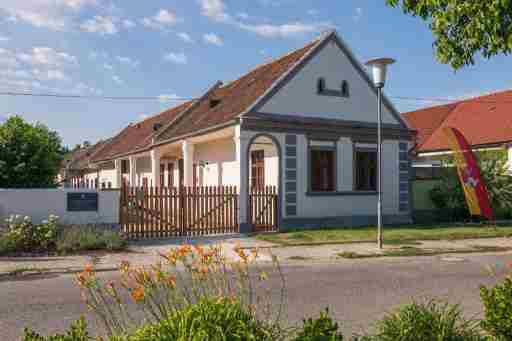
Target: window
109, 185
345, 90
125, 166
258, 169
323, 167
320, 86
96, 183
366, 169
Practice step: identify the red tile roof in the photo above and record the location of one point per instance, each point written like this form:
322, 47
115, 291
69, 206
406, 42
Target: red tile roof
234, 99
138, 135
484, 120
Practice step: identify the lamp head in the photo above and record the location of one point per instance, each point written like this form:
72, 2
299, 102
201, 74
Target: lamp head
379, 70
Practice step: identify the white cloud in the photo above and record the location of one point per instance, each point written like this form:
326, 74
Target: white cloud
176, 58
185, 37
164, 18
358, 14
8, 58
108, 66
127, 23
51, 14
101, 24
47, 56
215, 10
117, 79
282, 31
50, 75
212, 38
128, 61
4, 38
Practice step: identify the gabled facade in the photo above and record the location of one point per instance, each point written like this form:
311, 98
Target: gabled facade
304, 123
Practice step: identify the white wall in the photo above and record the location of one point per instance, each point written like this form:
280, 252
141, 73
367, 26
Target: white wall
299, 97
40, 203
222, 166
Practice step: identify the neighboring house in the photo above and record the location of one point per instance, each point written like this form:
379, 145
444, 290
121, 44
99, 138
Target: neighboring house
485, 121
304, 123
78, 172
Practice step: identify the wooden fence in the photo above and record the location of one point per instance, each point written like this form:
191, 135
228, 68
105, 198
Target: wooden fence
264, 208
163, 212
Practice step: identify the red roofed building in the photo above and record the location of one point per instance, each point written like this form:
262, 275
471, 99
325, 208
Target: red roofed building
485, 121
304, 123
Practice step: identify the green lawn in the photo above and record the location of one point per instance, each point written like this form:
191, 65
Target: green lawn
392, 235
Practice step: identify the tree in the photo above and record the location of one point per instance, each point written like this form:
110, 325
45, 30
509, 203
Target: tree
463, 28
30, 155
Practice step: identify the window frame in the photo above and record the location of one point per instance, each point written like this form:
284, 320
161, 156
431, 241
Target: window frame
333, 148
367, 147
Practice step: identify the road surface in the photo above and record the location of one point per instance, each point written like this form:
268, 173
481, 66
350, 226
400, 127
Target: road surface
357, 291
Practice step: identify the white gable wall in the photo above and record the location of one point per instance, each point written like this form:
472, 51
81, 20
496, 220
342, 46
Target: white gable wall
299, 96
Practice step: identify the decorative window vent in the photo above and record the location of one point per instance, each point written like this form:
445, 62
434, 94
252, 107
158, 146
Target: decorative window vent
214, 103
345, 89
157, 126
320, 86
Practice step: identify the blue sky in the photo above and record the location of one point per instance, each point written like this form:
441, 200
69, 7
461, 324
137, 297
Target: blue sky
178, 48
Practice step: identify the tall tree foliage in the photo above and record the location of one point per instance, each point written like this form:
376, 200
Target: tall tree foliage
464, 28
30, 155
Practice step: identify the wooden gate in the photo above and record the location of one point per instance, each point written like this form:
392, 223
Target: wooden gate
164, 212
264, 208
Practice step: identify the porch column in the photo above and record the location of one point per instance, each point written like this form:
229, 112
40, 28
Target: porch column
241, 147
133, 170
187, 149
155, 167
117, 178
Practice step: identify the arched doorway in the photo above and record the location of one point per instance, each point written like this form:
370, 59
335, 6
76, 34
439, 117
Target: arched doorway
264, 183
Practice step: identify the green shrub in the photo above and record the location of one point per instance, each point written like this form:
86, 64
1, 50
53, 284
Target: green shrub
430, 321
76, 239
319, 329
22, 235
207, 320
498, 310
77, 332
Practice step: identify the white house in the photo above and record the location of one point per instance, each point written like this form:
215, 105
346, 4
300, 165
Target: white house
304, 123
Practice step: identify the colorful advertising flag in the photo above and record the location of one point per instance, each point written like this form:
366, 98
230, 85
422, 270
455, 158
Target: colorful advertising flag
471, 180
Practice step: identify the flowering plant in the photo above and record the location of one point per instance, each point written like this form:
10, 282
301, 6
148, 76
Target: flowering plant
27, 236
185, 276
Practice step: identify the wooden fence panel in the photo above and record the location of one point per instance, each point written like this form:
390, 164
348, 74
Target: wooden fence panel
149, 212
264, 208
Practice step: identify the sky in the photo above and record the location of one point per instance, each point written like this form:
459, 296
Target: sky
170, 49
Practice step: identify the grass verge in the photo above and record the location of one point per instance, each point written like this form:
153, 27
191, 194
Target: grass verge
407, 251
399, 235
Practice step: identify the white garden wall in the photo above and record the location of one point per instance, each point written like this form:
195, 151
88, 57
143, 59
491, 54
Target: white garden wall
40, 203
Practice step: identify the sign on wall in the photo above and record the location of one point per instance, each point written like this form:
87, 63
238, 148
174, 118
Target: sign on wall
82, 202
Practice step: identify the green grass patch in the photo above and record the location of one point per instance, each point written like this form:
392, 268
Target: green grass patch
300, 258
355, 255
393, 235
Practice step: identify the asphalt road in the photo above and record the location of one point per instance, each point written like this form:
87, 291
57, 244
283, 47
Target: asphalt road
357, 291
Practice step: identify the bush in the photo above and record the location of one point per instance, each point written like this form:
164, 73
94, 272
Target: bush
22, 235
498, 310
427, 322
319, 329
206, 320
76, 239
77, 332
187, 275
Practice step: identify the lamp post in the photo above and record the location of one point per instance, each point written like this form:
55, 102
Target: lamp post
379, 71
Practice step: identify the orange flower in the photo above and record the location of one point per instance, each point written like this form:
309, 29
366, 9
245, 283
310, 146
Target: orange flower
171, 281
138, 294
124, 267
88, 269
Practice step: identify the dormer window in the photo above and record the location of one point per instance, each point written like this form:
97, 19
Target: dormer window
320, 86
214, 103
345, 90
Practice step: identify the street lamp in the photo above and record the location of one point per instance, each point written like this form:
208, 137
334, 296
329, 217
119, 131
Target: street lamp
379, 71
